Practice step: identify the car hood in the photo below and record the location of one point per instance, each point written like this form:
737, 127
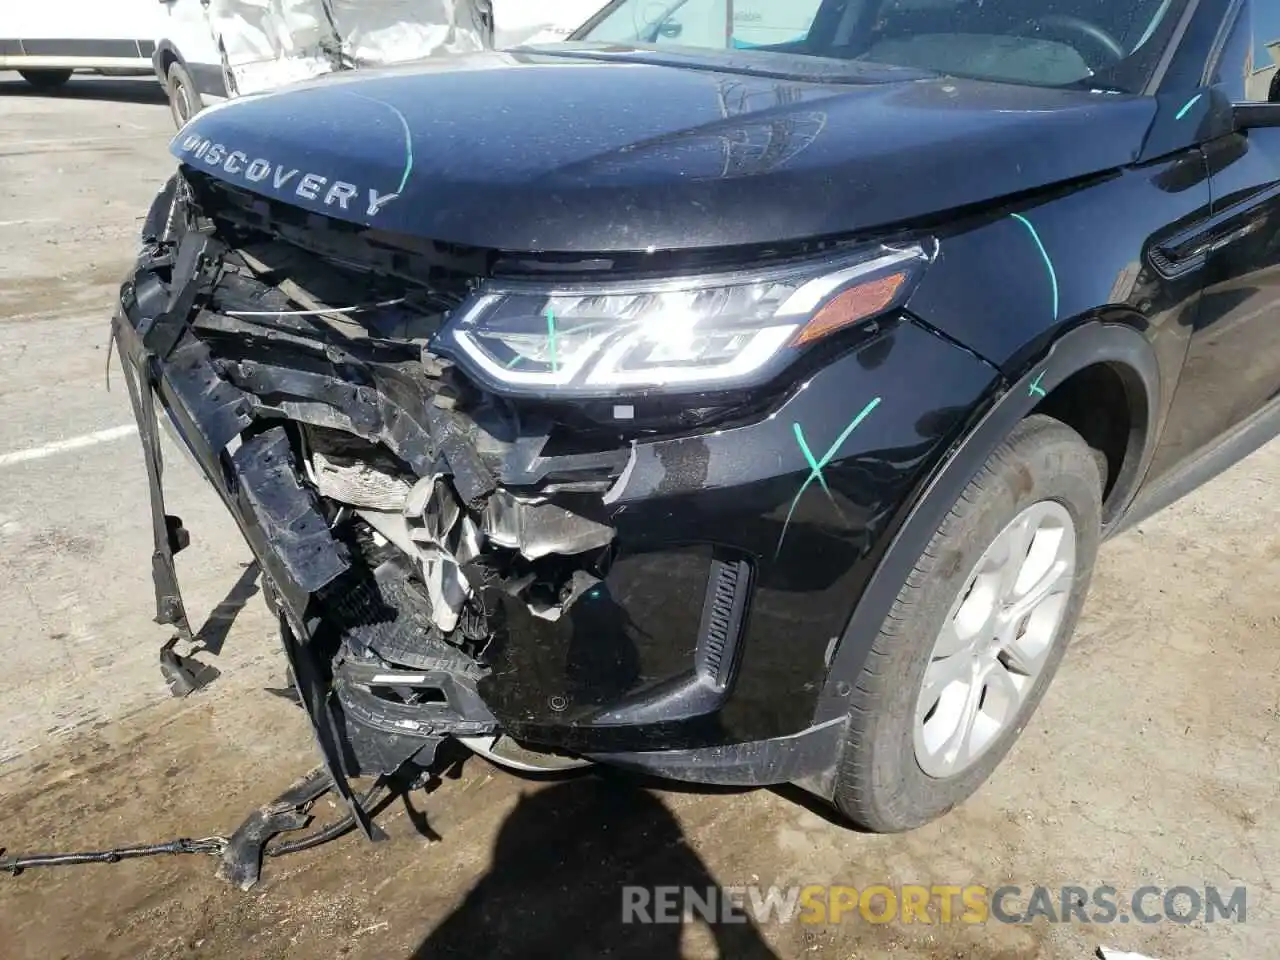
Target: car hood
595, 149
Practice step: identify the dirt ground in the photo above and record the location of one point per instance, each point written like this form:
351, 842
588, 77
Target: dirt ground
1153, 760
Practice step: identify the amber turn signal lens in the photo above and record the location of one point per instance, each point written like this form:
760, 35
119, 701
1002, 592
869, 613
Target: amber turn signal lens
852, 305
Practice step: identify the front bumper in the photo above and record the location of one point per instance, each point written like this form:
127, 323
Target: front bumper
700, 655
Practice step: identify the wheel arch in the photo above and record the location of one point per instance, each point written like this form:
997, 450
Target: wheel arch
1104, 382
164, 56
1094, 348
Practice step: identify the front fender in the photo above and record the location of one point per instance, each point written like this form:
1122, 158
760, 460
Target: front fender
1011, 281
1086, 345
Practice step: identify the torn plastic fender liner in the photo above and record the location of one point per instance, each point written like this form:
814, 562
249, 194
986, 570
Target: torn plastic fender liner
286, 533
285, 511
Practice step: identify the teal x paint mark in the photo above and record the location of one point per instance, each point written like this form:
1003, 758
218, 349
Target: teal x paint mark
551, 339
817, 466
1053, 274
1035, 390
1187, 108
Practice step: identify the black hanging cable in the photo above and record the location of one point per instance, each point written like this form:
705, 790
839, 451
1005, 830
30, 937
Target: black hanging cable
332, 832
211, 846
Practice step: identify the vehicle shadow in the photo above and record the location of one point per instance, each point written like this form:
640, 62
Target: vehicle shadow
88, 87
561, 863
213, 634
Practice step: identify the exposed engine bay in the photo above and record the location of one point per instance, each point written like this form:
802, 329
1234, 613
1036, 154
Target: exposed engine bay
446, 506
368, 456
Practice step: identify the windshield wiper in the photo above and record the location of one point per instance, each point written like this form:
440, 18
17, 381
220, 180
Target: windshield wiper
780, 65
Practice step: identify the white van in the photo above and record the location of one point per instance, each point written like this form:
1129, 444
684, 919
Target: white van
45, 40
211, 50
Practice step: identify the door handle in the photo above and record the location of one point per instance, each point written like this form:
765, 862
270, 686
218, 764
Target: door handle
1189, 250
1175, 261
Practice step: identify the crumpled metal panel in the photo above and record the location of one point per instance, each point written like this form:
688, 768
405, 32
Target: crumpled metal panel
430, 524
377, 32
538, 529
270, 43
358, 484
578, 585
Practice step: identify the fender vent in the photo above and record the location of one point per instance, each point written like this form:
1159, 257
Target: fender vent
722, 614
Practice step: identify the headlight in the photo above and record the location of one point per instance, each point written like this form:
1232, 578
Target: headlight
693, 334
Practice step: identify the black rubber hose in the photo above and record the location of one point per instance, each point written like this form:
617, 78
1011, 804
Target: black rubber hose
16, 865
332, 832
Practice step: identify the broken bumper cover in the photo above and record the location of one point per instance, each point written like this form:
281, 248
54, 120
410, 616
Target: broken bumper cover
700, 655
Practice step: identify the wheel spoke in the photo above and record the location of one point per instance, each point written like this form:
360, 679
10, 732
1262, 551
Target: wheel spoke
1057, 579
958, 745
940, 674
1001, 684
1017, 543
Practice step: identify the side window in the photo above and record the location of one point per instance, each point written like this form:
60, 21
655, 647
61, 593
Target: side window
696, 23
759, 23
693, 23
756, 23
1249, 69
1263, 82
705, 23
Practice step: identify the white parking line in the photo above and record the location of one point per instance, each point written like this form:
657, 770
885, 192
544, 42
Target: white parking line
62, 446
73, 142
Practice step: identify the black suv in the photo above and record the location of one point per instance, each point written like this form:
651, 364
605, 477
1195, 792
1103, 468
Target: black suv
738, 414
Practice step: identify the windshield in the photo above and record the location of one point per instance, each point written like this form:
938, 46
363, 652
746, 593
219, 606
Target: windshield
1104, 43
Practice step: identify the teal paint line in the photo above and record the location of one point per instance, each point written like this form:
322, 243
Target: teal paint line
1189, 104
551, 339
1036, 390
408, 139
817, 466
1048, 262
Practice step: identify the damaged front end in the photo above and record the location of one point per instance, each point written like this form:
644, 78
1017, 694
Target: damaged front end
394, 509
500, 499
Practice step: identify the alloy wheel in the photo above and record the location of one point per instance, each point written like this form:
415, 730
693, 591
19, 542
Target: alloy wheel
996, 639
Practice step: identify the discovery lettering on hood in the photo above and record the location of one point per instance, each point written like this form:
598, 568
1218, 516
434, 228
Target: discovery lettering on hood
307, 185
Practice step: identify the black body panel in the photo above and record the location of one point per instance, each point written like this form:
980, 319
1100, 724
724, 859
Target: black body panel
731, 491
536, 151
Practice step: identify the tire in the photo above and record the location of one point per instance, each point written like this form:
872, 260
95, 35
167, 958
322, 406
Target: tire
1047, 470
184, 100
45, 79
